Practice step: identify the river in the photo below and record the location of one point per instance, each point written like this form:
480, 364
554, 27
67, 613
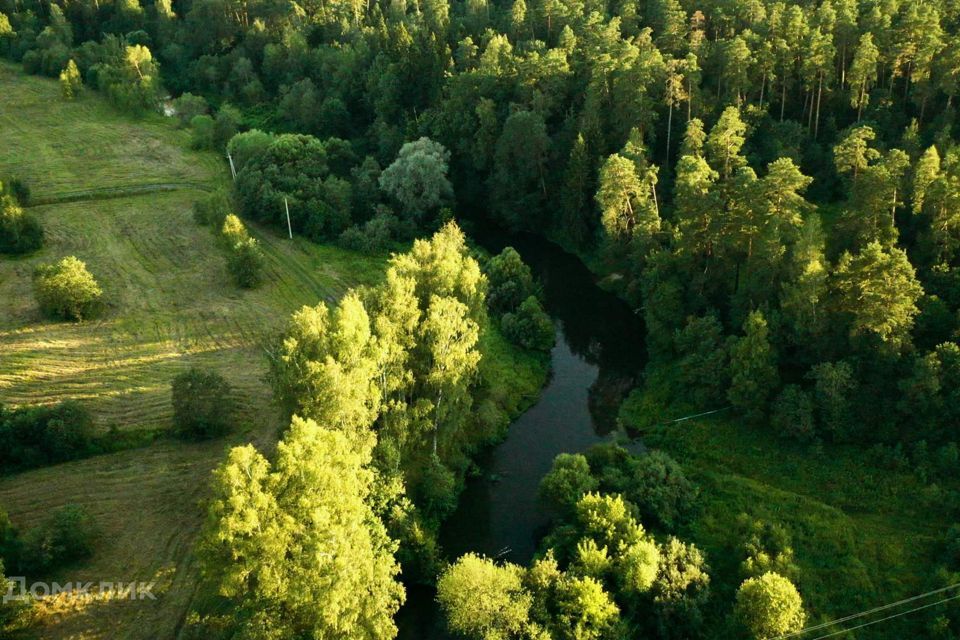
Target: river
596, 360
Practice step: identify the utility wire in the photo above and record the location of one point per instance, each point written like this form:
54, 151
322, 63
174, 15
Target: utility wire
902, 613
869, 611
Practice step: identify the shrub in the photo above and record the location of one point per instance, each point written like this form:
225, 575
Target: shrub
225, 126
201, 128
19, 232
19, 189
212, 209
201, 404
70, 81
188, 106
67, 290
67, 536
793, 414
35, 436
233, 231
376, 235
530, 327
245, 262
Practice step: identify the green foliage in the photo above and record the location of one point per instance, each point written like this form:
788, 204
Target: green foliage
188, 106
212, 209
282, 536
245, 262
202, 406
681, 589
878, 290
769, 607
792, 414
70, 81
67, 536
753, 368
482, 600
19, 232
417, 179
530, 326
67, 290
38, 436
131, 79
510, 281
245, 146
569, 479
294, 171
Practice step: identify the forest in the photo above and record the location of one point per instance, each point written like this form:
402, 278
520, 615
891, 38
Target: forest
772, 186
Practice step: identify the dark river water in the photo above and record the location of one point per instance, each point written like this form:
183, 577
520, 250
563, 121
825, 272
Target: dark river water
597, 359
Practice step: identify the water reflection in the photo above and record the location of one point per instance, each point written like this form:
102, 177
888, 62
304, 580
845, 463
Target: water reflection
596, 360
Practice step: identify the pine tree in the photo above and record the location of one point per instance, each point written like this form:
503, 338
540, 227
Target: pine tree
753, 368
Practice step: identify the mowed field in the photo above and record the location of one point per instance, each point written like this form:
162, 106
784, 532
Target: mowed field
118, 194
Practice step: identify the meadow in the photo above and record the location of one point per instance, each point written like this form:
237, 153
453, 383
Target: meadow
863, 535
117, 193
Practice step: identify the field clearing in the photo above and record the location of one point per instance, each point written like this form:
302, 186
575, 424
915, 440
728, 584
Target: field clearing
62, 147
120, 193
146, 503
170, 304
862, 536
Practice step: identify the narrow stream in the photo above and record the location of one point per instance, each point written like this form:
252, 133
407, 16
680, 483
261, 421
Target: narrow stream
597, 358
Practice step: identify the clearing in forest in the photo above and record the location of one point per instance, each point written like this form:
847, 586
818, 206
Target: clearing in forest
117, 193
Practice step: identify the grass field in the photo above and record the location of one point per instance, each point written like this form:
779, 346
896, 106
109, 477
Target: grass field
119, 192
862, 536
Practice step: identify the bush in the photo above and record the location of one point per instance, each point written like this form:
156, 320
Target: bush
19, 233
212, 209
376, 235
201, 404
233, 231
530, 327
189, 106
66, 537
35, 436
225, 126
793, 414
245, 262
19, 189
201, 128
67, 290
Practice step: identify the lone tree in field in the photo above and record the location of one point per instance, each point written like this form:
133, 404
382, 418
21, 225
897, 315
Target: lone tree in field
67, 290
201, 404
70, 81
19, 232
769, 606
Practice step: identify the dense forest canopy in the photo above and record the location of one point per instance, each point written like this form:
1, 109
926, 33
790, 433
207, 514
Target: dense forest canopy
774, 185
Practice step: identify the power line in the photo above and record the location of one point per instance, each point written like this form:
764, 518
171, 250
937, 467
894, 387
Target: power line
870, 611
902, 613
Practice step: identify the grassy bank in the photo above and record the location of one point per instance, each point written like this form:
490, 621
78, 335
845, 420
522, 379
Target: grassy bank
862, 535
